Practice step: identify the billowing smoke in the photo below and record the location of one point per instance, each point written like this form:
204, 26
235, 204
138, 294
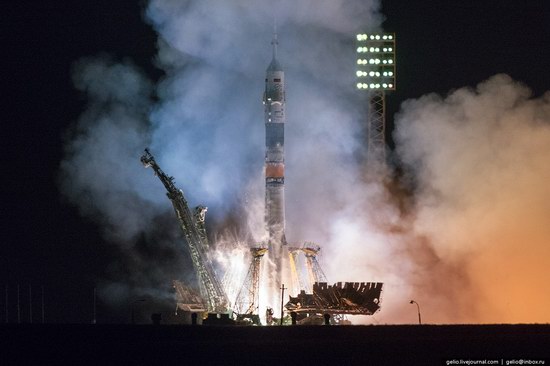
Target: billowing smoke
205, 127
469, 241
480, 161
114, 128
100, 174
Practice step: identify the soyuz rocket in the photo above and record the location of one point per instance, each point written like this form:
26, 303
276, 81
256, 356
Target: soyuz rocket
274, 107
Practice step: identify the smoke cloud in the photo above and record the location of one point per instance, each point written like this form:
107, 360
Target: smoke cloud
475, 160
479, 158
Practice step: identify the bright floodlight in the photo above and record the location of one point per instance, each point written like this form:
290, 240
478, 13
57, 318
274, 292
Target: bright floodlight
377, 71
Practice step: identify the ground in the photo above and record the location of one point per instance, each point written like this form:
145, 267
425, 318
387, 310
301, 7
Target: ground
287, 345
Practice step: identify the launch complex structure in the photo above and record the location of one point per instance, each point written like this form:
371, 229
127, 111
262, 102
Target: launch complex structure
311, 296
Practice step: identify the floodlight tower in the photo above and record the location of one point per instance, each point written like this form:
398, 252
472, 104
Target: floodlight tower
376, 75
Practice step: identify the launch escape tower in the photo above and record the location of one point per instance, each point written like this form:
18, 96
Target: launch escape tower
193, 229
274, 109
376, 75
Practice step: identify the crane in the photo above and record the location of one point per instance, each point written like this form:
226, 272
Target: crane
192, 225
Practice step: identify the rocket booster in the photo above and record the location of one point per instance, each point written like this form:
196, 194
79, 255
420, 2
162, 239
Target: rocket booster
274, 104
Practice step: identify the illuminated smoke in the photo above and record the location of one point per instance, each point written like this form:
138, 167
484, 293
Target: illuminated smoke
470, 240
475, 162
480, 160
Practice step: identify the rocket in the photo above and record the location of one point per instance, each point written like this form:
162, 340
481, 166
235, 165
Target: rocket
274, 107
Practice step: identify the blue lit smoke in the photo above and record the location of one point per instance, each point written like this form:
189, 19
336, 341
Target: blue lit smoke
208, 127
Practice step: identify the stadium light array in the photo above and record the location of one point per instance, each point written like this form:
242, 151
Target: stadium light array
376, 61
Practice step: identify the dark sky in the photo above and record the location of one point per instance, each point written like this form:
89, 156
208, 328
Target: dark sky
44, 241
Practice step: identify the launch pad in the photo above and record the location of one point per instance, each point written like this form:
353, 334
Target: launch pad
314, 297
349, 298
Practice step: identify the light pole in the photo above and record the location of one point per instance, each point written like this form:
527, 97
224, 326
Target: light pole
418, 308
283, 288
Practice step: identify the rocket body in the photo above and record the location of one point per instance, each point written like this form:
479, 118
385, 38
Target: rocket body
274, 104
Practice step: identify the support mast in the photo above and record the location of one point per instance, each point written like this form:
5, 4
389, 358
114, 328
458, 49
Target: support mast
248, 297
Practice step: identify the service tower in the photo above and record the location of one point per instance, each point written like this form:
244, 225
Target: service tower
274, 106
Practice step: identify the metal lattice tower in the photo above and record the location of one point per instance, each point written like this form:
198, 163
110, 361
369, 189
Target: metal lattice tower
376, 140
301, 281
192, 225
247, 300
315, 272
298, 282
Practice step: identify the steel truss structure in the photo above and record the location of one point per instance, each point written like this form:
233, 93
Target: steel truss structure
352, 298
192, 225
247, 301
376, 140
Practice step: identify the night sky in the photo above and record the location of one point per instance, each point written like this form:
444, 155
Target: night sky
45, 242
